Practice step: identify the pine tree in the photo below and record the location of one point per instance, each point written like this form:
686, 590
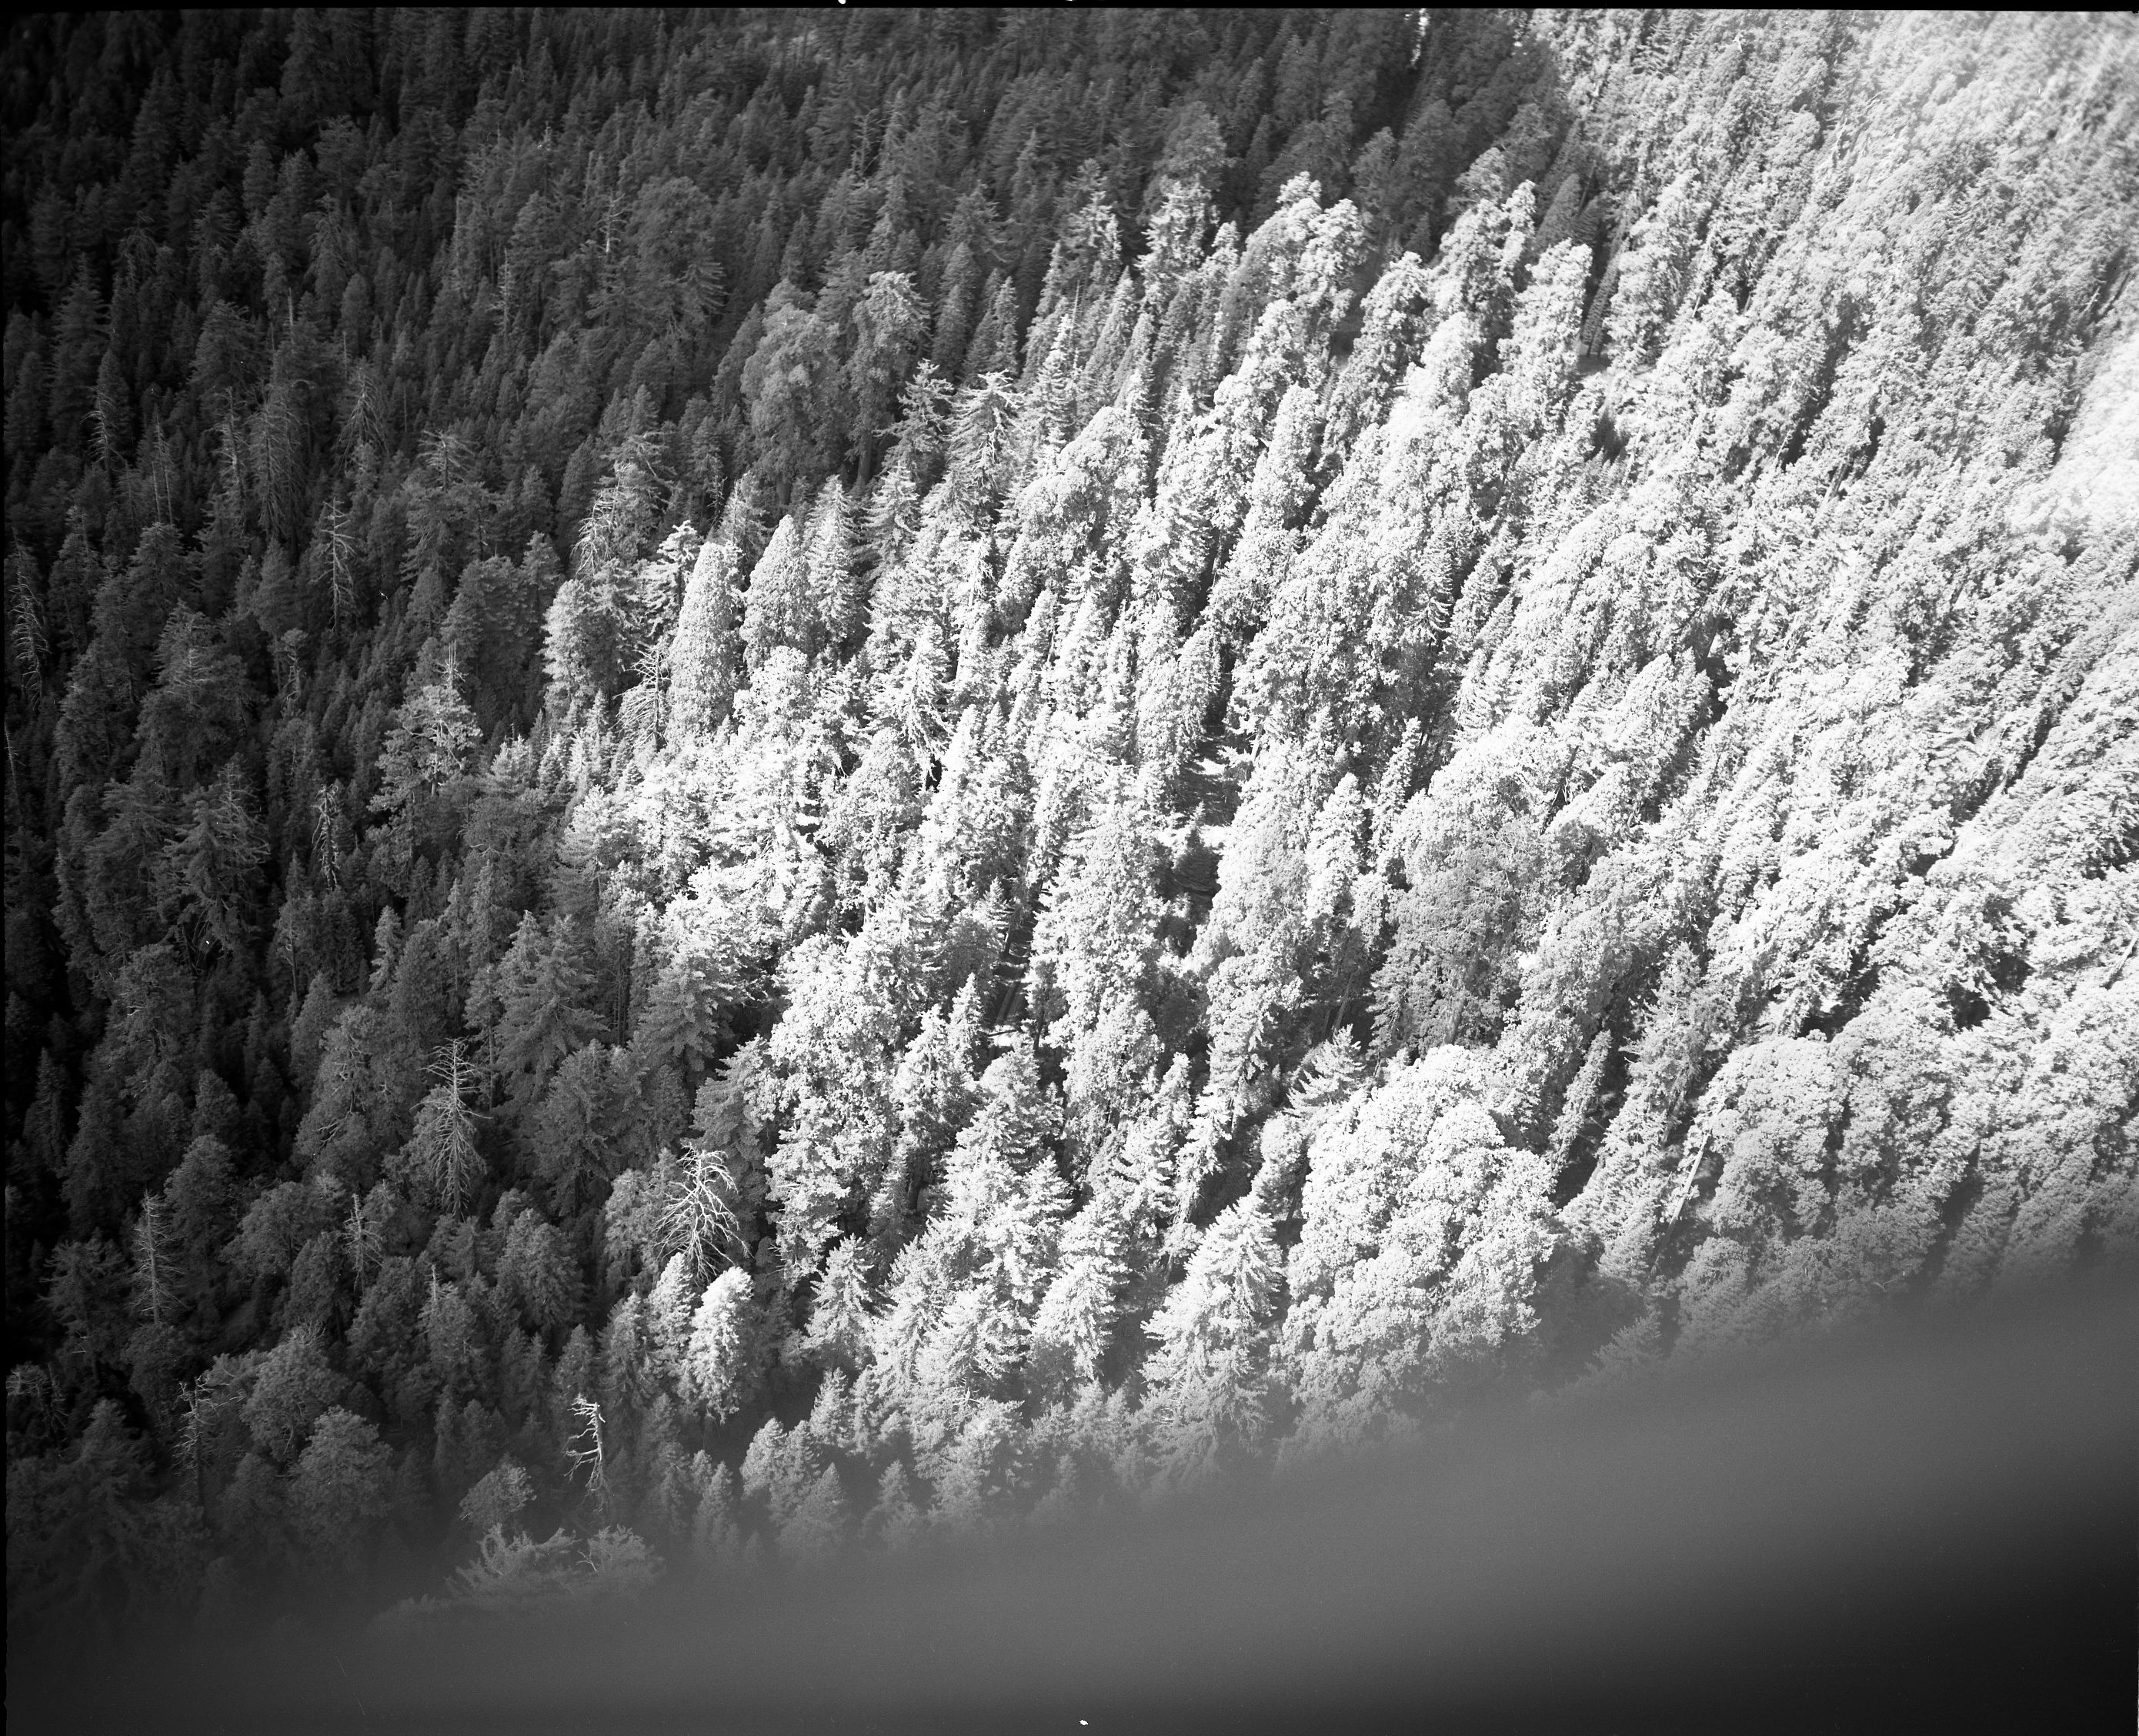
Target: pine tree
431, 747
778, 609
840, 1317
820, 1526
835, 590
580, 1132
542, 988
1209, 1379
702, 655
1074, 1327
497, 1498
339, 1491
890, 324
788, 382
441, 1148
292, 1390
719, 1372
213, 867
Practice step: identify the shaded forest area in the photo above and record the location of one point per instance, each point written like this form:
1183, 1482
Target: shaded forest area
782, 781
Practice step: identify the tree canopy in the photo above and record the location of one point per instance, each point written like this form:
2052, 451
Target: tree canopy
776, 780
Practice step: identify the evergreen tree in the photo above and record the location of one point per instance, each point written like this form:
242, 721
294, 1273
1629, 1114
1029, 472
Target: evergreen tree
720, 1368
702, 655
339, 1491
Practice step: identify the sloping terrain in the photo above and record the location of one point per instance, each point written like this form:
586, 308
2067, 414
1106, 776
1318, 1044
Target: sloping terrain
780, 780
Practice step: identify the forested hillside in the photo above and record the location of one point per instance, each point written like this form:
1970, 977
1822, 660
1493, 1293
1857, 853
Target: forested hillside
781, 781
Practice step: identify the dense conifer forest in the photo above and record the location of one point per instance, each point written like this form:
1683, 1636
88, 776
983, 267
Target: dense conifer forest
778, 782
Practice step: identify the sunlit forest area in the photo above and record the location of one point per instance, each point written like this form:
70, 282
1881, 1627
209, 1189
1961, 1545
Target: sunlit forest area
780, 783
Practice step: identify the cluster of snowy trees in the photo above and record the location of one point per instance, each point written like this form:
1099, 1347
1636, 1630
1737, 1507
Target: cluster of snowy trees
781, 782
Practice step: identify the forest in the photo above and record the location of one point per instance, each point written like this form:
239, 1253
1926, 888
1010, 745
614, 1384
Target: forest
790, 782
